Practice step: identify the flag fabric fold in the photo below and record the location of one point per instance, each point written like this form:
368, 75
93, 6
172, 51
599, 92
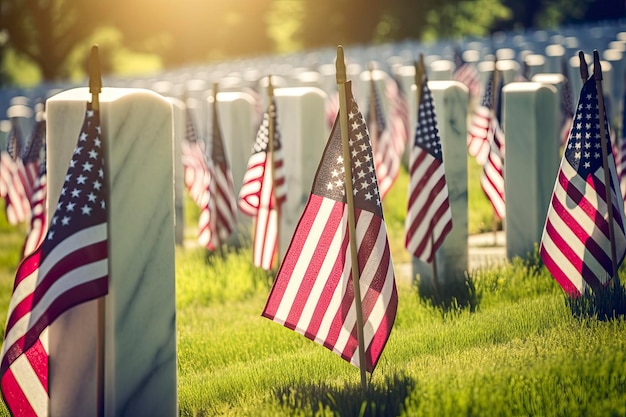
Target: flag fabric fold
38, 219
68, 268
482, 126
17, 204
386, 158
575, 245
429, 218
467, 74
313, 291
264, 190
218, 216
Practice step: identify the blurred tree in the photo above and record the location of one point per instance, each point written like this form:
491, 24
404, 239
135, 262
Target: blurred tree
46, 31
354, 21
328, 23
547, 14
49, 32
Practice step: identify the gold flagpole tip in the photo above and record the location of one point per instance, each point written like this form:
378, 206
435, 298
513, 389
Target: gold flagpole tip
340, 66
95, 76
215, 88
584, 70
597, 68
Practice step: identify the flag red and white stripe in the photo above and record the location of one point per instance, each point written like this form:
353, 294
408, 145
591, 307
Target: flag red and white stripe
575, 245
398, 115
313, 291
386, 158
68, 268
481, 125
193, 155
429, 218
467, 74
264, 190
218, 217
17, 204
492, 176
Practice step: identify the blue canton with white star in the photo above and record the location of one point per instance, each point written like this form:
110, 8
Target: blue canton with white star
82, 200
426, 132
584, 146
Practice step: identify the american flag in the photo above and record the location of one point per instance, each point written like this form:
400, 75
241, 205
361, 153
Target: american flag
467, 74
492, 176
31, 157
17, 205
482, 125
313, 291
620, 156
386, 159
68, 268
264, 190
193, 157
398, 115
567, 109
429, 219
575, 244
217, 218
38, 225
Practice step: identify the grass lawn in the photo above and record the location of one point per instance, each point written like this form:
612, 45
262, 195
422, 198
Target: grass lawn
520, 352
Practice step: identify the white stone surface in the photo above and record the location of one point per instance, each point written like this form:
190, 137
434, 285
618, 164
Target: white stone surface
532, 126
303, 132
451, 101
139, 312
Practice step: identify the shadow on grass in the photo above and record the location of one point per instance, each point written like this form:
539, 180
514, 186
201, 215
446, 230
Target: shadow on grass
605, 303
380, 400
457, 294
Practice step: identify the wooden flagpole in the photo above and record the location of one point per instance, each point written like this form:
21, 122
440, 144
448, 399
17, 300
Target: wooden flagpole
347, 166
597, 75
420, 71
95, 87
272, 164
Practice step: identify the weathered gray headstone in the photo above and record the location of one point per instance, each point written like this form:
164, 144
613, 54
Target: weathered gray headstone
140, 365
531, 126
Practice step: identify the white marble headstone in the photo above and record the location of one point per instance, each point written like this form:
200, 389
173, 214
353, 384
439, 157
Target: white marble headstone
303, 132
451, 101
140, 367
532, 126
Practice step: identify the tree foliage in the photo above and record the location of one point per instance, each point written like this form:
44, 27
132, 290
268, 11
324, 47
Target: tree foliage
52, 33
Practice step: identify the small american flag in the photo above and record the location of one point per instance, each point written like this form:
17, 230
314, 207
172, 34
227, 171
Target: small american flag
492, 176
386, 159
481, 125
17, 204
68, 268
575, 244
620, 156
429, 219
467, 74
38, 225
193, 156
398, 115
313, 291
31, 157
264, 190
217, 218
